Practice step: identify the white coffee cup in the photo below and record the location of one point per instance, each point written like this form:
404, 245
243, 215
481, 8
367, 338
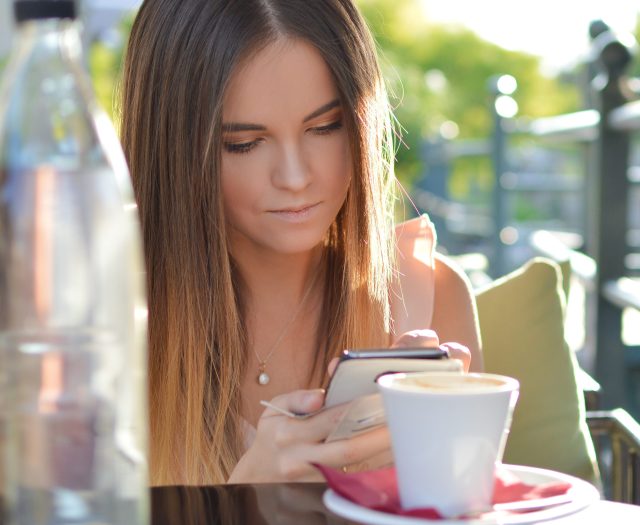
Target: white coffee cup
448, 431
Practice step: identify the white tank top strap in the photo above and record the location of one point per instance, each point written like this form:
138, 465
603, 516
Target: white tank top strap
413, 288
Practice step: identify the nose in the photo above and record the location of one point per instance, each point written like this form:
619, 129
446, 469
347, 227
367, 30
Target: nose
291, 172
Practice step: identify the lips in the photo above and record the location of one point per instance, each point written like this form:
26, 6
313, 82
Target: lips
295, 209
295, 213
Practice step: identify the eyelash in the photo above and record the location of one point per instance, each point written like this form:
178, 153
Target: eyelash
246, 147
325, 130
241, 147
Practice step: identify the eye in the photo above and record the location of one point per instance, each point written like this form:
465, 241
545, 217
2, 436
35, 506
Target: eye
325, 130
240, 147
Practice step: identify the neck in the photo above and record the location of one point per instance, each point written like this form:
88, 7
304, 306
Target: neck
282, 298
278, 278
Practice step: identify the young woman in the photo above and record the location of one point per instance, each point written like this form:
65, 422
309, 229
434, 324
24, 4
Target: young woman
258, 137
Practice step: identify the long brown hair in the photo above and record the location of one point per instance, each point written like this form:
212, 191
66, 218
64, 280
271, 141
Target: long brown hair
180, 57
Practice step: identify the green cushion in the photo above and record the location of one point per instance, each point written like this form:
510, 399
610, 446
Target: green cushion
521, 323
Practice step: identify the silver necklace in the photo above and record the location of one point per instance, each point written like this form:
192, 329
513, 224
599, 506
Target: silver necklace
263, 377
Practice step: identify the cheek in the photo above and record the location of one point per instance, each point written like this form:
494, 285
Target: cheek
235, 198
240, 180
333, 158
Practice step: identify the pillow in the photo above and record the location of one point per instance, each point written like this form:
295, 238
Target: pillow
521, 323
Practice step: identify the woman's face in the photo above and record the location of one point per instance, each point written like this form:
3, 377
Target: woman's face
286, 165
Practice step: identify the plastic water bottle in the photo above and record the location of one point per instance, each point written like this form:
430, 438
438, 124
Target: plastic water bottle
73, 409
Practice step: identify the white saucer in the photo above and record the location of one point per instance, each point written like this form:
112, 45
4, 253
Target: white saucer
580, 496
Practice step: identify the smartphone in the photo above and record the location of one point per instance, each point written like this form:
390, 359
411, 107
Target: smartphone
395, 353
358, 369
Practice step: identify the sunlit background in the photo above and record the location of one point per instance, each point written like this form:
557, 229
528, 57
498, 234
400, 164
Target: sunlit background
555, 30
441, 60
438, 56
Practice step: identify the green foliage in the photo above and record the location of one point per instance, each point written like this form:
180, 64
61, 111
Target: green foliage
635, 66
439, 74
435, 75
105, 65
104, 74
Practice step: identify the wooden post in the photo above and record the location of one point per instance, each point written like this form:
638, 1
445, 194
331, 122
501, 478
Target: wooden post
607, 194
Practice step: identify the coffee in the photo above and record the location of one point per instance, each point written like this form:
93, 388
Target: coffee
448, 383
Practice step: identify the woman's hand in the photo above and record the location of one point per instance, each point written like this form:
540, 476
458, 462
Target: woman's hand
285, 447
428, 338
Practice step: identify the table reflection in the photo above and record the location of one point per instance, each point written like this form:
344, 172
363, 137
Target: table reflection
264, 504
268, 504
300, 504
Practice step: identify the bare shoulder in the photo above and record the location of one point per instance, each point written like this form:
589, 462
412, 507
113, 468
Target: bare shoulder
449, 273
453, 291
455, 316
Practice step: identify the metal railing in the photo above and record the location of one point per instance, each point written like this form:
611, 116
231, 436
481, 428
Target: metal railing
616, 436
606, 132
603, 136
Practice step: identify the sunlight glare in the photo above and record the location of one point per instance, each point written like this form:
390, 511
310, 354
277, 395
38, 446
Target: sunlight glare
555, 31
506, 107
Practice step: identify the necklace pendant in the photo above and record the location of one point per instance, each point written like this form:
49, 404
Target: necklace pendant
263, 378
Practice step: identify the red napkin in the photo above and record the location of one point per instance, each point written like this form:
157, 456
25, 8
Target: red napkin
378, 490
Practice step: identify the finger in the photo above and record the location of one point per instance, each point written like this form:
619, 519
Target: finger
298, 402
351, 451
287, 432
300, 469
337, 454
417, 338
458, 351
310, 431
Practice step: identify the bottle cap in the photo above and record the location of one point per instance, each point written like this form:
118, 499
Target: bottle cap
24, 10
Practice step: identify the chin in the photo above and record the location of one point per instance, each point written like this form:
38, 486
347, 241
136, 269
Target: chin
298, 243
297, 248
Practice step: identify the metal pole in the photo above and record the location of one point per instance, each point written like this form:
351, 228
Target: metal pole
608, 214
503, 107
435, 181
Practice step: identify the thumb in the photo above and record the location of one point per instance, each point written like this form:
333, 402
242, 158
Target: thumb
298, 402
423, 338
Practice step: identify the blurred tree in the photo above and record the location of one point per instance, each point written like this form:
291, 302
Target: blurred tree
635, 67
105, 66
438, 74
435, 75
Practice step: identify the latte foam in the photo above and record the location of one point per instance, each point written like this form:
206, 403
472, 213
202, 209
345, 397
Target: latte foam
447, 383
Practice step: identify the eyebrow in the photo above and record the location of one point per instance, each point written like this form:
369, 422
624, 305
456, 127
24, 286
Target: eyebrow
231, 127
322, 109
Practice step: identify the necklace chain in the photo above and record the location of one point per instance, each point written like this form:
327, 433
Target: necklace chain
264, 378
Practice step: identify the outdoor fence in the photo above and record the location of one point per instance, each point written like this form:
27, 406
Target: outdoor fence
599, 195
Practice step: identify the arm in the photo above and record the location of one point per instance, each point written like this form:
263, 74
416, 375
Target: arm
455, 316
